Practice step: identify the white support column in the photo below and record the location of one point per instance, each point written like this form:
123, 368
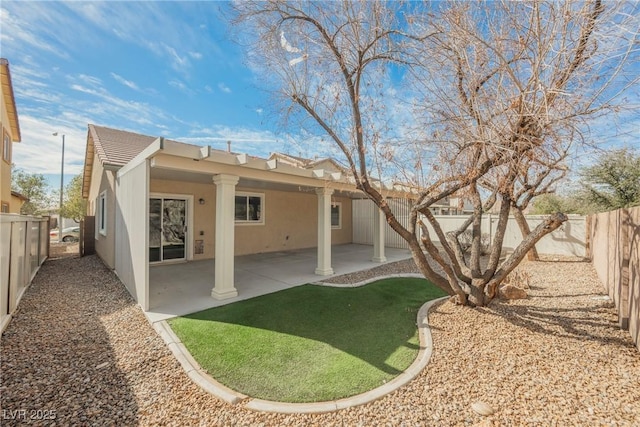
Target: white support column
324, 232
379, 222
225, 236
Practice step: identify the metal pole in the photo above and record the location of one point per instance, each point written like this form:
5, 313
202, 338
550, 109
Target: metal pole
61, 188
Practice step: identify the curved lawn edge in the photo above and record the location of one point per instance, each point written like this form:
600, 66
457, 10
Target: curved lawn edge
370, 280
210, 385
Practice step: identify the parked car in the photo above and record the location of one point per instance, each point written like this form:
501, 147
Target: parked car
70, 234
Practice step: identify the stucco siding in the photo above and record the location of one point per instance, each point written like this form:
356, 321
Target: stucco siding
5, 167
291, 219
103, 180
291, 222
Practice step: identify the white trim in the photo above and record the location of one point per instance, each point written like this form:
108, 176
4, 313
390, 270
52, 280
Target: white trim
339, 206
188, 244
205, 152
241, 159
246, 194
102, 213
154, 148
271, 164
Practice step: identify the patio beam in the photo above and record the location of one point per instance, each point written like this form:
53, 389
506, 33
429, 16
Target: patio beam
378, 235
324, 231
224, 286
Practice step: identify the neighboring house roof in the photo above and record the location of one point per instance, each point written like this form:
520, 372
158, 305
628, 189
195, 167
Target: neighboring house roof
20, 196
9, 100
301, 162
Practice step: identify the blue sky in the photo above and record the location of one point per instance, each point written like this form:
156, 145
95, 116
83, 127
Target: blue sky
160, 68
156, 68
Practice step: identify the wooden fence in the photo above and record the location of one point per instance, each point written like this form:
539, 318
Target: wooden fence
614, 249
24, 245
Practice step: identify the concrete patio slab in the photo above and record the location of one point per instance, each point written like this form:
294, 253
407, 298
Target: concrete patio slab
183, 288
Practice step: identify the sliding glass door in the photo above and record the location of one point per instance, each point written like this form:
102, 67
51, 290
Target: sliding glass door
167, 229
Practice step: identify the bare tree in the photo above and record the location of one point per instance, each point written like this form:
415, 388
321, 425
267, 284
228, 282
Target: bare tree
535, 177
466, 99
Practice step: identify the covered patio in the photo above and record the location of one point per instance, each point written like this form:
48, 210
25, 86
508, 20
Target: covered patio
182, 288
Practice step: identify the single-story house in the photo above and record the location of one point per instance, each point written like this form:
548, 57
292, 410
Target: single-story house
160, 201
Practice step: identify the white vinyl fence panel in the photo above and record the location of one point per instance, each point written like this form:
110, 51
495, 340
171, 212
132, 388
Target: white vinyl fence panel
24, 246
569, 239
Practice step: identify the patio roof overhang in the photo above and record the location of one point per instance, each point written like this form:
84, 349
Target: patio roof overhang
169, 160
164, 159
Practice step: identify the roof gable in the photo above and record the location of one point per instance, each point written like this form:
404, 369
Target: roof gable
9, 100
327, 164
117, 147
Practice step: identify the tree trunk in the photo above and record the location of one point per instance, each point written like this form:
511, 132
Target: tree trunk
532, 255
477, 297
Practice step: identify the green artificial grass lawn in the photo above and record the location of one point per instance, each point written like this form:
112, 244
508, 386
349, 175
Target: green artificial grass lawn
310, 343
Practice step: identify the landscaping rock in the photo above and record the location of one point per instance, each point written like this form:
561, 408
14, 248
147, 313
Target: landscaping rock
482, 408
525, 358
512, 292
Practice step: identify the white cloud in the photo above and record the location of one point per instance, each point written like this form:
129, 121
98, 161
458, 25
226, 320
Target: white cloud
18, 30
152, 26
224, 88
125, 82
38, 138
244, 140
90, 80
179, 63
181, 86
259, 111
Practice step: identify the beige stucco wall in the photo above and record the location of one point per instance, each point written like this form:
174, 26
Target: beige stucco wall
291, 222
102, 180
291, 219
16, 204
5, 167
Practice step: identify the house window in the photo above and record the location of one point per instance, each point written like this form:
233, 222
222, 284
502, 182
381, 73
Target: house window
6, 146
4, 208
336, 215
249, 208
102, 213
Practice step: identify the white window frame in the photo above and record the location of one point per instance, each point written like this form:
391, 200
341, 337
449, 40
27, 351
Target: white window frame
101, 207
262, 208
6, 146
188, 198
339, 206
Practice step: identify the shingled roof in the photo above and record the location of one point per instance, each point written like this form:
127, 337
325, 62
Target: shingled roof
117, 147
114, 148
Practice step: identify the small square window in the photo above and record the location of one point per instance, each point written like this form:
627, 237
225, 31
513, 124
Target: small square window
249, 208
4, 208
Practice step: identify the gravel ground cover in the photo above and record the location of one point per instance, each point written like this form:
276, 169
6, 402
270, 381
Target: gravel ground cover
81, 349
